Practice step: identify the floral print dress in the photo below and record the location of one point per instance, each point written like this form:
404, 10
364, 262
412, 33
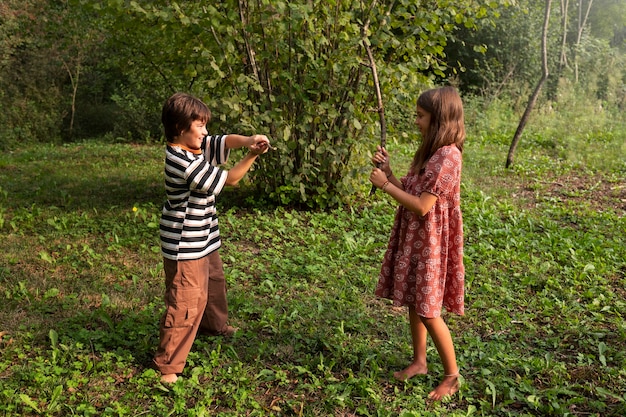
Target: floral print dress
423, 264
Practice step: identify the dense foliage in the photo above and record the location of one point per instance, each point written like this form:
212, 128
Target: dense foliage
296, 70
505, 58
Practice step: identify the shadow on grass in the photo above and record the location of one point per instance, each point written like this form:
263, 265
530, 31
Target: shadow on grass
80, 193
106, 189
132, 335
82, 176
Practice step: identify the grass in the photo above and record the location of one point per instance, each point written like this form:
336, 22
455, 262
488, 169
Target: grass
544, 334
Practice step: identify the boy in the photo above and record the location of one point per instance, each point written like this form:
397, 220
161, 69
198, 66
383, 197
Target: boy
195, 289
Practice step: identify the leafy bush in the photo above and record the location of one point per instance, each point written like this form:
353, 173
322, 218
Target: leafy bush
296, 71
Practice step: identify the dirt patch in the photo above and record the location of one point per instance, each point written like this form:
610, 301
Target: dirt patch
594, 192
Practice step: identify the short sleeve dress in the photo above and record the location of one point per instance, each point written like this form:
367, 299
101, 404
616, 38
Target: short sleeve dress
423, 264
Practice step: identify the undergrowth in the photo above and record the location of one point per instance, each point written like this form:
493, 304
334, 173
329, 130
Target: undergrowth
81, 292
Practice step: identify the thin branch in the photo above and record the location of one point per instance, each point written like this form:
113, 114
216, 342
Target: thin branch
372, 65
219, 44
251, 53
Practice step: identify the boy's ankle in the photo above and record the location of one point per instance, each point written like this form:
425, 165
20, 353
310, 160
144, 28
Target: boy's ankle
169, 378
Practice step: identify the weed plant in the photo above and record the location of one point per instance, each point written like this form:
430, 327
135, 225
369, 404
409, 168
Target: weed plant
81, 289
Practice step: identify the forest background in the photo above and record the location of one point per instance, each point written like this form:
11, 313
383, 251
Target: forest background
81, 88
298, 71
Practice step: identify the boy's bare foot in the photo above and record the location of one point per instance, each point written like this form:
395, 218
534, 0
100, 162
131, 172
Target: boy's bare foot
410, 371
448, 387
228, 331
169, 378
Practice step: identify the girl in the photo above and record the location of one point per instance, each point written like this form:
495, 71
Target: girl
423, 265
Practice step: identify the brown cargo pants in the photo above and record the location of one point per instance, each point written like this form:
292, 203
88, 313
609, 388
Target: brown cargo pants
195, 298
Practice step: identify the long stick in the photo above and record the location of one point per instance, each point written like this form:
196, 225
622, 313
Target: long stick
379, 96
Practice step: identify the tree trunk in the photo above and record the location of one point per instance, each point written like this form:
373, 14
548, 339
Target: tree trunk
74, 78
582, 21
535, 95
564, 26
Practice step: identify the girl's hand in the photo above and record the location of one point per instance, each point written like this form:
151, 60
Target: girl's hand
378, 177
381, 160
260, 144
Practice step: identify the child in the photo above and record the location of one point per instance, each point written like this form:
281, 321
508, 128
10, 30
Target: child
423, 265
195, 289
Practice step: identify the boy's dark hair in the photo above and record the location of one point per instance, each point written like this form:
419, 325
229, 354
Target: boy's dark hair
447, 125
180, 111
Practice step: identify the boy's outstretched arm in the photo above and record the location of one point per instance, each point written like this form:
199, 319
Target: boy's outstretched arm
240, 141
258, 144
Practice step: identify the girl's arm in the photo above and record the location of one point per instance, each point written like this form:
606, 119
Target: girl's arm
392, 186
418, 205
393, 180
381, 160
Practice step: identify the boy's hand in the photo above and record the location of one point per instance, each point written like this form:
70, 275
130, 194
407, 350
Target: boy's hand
260, 144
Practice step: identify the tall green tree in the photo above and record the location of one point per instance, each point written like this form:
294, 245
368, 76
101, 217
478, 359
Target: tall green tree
50, 52
502, 56
30, 82
294, 69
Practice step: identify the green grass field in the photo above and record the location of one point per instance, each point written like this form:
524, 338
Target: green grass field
544, 332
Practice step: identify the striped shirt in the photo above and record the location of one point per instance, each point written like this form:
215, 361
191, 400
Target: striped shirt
188, 226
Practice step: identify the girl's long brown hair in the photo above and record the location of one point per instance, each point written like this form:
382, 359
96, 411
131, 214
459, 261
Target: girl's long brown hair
447, 124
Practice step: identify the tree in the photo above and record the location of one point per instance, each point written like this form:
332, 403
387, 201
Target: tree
291, 68
583, 15
588, 33
564, 28
499, 57
30, 86
75, 46
535, 95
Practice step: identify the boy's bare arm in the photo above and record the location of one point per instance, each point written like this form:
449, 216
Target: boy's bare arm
236, 173
257, 144
240, 141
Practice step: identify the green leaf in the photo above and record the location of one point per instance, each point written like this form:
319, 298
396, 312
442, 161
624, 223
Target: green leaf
54, 338
287, 133
29, 402
603, 392
46, 257
602, 350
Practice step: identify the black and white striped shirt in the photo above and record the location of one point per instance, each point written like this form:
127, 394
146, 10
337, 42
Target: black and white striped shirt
188, 226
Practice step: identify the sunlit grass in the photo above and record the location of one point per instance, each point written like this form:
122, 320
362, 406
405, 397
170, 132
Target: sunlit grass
544, 334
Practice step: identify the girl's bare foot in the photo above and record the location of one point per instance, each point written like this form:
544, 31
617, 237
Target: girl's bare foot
448, 387
169, 378
410, 371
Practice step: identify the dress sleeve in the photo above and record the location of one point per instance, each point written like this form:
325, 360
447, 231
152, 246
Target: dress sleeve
443, 171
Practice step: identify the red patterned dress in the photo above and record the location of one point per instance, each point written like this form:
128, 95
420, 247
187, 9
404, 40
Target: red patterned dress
423, 265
